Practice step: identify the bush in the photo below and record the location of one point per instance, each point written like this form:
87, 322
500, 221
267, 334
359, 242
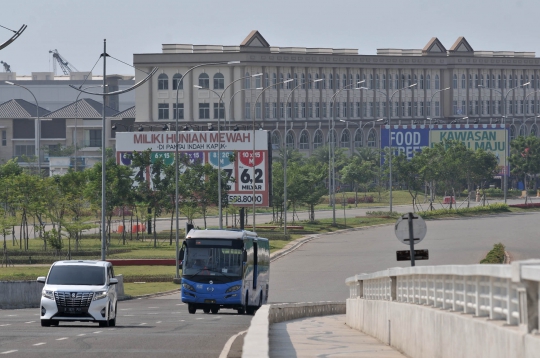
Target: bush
385, 214
492, 208
495, 256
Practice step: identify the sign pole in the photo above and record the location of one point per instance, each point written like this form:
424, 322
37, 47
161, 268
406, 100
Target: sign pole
411, 237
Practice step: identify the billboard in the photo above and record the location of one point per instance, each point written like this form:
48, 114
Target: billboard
405, 139
203, 147
490, 137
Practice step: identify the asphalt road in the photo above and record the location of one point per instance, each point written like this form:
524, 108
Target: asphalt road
318, 269
159, 327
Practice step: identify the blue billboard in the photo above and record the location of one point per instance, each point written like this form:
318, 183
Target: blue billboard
405, 139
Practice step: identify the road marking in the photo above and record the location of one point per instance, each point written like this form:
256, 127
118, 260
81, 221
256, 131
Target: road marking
82, 334
227, 347
153, 307
182, 320
11, 315
97, 332
158, 322
130, 315
4, 325
200, 318
125, 309
39, 344
30, 322
61, 339
8, 352
111, 329
142, 324
153, 313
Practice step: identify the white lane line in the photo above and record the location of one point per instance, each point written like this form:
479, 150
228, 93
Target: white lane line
130, 315
158, 322
30, 322
182, 320
227, 347
39, 344
153, 313
62, 339
142, 324
200, 318
4, 325
12, 315
82, 334
97, 331
153, 307
8, 352
125, 309
111, 329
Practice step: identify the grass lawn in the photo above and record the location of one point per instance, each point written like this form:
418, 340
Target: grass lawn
138, 289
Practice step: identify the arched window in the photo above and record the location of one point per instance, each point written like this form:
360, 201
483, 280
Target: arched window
332, 137
475, 80
304, 140
403, 83
512, 132
303, 80
454, 84
276, 140
337, 81
421, 84
416, 80
537, 81
534, 130
357, 80
492, 81
204, 80
318, 139
219, 81
176, 82
397, 81
247, 81
510, 81
370, 81
481, 80
266, 80
344, 80
310, 81
428, 82
358, 138
274, 79
488, 82
163, 82
384, 81
523, 130
470, 80
499, 84
289, 84
290, 139
345, 139
330, 81
409, 80
351, 80
377, 81
437, 82
317, 84
372, 139
323, 84
295, 79
258, 81
463, 81
521, 80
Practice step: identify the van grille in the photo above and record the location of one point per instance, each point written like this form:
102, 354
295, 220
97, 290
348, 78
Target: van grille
66, 299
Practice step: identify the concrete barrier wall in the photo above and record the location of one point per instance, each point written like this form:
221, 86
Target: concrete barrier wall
256, 342
27, 294
425, 332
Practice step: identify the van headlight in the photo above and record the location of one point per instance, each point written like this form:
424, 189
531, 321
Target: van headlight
188, 287
99, 295
47, 294
233, 288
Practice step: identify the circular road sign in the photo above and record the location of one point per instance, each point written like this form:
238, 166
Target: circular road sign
402, 229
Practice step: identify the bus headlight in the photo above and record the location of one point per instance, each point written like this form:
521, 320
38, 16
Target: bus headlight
233, 288
188, 287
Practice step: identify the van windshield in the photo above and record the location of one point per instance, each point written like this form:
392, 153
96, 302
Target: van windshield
77, 275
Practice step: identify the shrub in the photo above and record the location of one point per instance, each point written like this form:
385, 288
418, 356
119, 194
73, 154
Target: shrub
495, 255
492, 208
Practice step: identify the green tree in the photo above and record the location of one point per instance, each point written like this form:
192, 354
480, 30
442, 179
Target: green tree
360, 172
525, 159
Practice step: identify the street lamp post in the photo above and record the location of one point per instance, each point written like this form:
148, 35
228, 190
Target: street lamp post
504, 116
220, 102
253, 128
37, 126
176, 112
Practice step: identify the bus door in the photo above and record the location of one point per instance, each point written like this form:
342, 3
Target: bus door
255, 264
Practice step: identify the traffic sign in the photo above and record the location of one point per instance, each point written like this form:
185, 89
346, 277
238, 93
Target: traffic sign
402, 229
405, 255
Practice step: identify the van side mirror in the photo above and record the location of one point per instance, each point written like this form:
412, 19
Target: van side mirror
181, 255
41, 279
244, 256
113, 281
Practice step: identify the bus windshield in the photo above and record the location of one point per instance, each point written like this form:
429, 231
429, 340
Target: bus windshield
213, 257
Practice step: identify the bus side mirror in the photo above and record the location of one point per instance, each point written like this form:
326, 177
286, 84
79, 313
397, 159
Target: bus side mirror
244, 256
181, 255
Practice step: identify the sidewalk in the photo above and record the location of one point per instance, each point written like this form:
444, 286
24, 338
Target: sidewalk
326, 336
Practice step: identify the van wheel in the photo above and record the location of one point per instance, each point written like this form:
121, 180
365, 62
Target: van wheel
45, 323
206, 310
215, 310
191, 309
112, 322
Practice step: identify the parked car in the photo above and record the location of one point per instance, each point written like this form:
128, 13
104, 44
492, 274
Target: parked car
82, 291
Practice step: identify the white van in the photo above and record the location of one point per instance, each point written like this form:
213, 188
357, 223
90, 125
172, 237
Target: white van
82, 291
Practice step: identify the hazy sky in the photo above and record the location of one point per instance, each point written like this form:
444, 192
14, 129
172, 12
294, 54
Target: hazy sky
77, 28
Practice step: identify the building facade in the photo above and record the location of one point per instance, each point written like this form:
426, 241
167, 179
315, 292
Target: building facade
361, 92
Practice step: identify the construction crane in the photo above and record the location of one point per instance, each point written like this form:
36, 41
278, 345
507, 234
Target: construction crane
66, 67
7, 68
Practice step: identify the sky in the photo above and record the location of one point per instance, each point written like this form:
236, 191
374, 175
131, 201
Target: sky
77, 28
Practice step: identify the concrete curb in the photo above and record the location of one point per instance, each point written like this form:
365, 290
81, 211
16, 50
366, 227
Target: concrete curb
257, 340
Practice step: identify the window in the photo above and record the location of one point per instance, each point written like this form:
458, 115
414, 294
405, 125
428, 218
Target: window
266, 80
219, 81
295, 79
437, 108
204, 80
455, 108
296, 110
421, 84
463, 81
358, 141
409, 80
276, 140
492, 81
421, 108
402, 109
475, 107
370, 112
317, 110
337, 111
303, 110
428, 82
481, 80
428, 108
274, 79
258, 110
455, 82
310, 109
344, 109
4, 138
499, 81
317, 84
289, 84
358, 115
258, 81
219, 111
337, 81
94, 138
281, 110
370, 84
396, 80
523, 131
475, 80
303, 80
163, 111
488, 82
274, 110
304, 140
470, 81
267, 110
383, 81
177, 83
409, 109
318, 139
163, 82
377, 82
289, 110
511, 81
324, 112
310, 81
247, 110
290, 139
512, 132
204, 110
437, 83
323, 84
344, 80
179, 112
28, 150
345, 139
372, 139
534, 130
415, 79
247, 81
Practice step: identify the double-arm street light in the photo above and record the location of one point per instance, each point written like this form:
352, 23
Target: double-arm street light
389, 111
253, 128
285, 153
504, 116
176, 114
220, 103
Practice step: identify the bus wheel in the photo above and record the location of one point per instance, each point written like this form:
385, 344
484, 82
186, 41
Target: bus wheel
206, 310
191, 309
240, 310
215, 310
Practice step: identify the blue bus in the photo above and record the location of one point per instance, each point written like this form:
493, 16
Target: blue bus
225, 269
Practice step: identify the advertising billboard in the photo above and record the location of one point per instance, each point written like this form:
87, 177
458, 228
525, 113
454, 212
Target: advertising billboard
405, 139
490, 137
203, 147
